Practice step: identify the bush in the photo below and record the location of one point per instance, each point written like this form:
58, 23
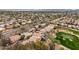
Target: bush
39, 45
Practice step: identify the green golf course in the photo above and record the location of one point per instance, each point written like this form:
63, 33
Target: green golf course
68, 40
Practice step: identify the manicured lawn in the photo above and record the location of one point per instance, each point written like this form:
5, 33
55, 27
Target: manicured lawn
68, 40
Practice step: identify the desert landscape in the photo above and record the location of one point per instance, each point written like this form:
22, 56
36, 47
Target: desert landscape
39, 29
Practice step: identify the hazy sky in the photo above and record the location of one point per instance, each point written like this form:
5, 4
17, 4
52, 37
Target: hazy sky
39, 4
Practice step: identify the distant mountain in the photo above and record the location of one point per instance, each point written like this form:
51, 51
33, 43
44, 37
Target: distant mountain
43, 10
